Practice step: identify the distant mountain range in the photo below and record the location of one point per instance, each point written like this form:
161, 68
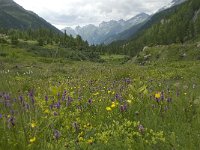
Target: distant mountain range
14, 16
107, 32
102, 33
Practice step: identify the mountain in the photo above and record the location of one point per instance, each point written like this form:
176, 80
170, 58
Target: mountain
172, 4
106, 31
14, 16
177, 24
125, 35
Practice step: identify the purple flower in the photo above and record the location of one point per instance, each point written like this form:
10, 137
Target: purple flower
11, 120
31, 93
127, 81
56, 134
46, 98
169, 100
55, 113
117, 96
141, 128
21, 99
57, 105
90, 101
123, 108
162, 95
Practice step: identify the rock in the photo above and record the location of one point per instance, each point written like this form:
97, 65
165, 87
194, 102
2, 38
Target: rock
146, 47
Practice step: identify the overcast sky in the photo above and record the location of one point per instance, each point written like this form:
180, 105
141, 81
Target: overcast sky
62, 13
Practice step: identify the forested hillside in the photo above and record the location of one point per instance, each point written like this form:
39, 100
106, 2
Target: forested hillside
14, 16
175, 25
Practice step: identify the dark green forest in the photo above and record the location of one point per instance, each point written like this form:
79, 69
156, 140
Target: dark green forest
175, 25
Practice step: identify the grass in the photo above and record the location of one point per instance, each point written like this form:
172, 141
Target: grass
56, 103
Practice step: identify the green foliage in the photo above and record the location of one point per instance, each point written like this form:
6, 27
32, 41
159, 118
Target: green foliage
59, 105
13, 16
41, 42
14, 40
174, 25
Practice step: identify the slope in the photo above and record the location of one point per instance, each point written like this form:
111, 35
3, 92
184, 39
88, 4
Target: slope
174, 25
14, 16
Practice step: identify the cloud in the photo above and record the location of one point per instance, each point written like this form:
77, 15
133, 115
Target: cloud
80, 12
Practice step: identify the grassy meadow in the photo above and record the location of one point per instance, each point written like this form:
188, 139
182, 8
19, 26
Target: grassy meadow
49, 101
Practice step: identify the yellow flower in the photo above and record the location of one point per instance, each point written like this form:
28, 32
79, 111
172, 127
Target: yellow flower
80, 139
33, 125
90, 141
47, 111
32, 140
158, 95
129, 101
113, 105
109, 92
108, 109
95, 94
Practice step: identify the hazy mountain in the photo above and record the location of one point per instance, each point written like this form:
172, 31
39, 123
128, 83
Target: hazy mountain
14, 16
106, 30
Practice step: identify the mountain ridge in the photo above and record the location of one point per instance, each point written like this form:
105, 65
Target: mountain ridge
14, 16
99, 34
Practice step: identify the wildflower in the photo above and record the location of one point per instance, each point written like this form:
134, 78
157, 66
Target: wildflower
158, 95
141, 128
117, 96
129, 101
90, 141
57, 134
162, 95
55, 113
11, 120
33, 125
113, 105
80, 139
122, 108
47, 111
109, 92
32, 140
90, 101
46, 98
95, 94
108, 109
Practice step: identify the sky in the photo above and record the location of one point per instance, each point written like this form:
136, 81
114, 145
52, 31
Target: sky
71, 13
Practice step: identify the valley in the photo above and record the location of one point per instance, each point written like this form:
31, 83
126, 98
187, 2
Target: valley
60, 92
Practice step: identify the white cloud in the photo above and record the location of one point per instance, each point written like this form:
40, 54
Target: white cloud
63, 13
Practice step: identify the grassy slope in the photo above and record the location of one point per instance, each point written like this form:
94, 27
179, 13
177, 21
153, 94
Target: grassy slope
82, 123
175, 52
14, 16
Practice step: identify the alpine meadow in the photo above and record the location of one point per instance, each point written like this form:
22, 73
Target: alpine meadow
126, 85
